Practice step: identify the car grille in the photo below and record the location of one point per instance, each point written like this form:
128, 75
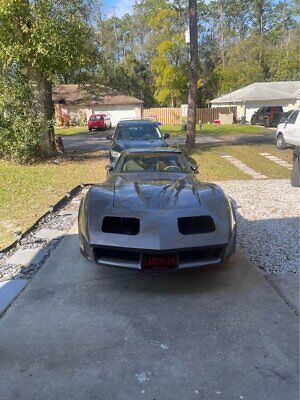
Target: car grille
202, 254
115, 253
196, 225
132, 257
121, 225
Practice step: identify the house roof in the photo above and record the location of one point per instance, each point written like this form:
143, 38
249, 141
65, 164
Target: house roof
262, 91
89, 95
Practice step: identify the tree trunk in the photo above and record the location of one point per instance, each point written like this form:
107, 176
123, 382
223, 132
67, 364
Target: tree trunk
49, 111
45, 92
222, 34
192, 100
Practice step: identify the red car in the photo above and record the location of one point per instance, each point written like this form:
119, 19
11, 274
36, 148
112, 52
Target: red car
99, 122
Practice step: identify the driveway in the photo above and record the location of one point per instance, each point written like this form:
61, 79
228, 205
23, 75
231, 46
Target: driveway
86, 142
90, 142
80, 331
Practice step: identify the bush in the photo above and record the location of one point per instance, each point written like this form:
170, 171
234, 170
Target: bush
20, 139
82, 118
21, 122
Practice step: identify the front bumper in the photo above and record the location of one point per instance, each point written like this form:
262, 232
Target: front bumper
187, 258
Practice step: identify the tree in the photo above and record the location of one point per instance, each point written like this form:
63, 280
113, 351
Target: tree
192, 100
171, 72
169, 62
283, 61
44, 38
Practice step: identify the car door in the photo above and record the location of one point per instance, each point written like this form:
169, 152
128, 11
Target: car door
296, 135
290, 128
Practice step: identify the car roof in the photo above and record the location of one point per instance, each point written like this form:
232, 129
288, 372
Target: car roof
136, 122
151, 150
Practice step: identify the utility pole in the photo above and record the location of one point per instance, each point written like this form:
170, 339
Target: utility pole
192, 100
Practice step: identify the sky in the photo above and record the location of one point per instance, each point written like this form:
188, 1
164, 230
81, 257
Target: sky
121, 7
118, 7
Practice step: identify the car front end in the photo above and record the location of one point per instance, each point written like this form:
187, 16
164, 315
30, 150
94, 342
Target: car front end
134, 234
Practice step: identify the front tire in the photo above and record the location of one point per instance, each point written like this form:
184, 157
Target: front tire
253, 122
280, 142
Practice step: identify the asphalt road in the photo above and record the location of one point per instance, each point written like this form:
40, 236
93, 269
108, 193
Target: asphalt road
90, 142
80, 331
86, 142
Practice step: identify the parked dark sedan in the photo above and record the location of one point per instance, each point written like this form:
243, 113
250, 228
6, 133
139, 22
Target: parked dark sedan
137, 134
152, 213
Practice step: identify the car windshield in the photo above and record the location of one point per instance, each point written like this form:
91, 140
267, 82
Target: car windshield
152, 162
138, 132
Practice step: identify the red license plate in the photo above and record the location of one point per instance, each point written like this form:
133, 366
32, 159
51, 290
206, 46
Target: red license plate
160, 261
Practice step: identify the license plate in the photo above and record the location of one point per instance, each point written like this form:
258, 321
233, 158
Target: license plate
160, 261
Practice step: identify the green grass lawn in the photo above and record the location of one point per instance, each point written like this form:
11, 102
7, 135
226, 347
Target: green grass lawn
73, 130
218, 130
26, 192
213, 167
250, 156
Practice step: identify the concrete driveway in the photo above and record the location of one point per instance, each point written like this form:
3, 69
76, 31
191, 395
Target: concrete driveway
80, 331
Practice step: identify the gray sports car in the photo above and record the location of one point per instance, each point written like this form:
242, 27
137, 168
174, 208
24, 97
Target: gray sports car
152, 213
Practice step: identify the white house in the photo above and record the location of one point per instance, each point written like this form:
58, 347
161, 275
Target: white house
261, 94
81, 101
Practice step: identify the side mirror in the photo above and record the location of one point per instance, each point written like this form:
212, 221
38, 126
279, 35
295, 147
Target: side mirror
109, 137
195, 168
166, 136
109, 167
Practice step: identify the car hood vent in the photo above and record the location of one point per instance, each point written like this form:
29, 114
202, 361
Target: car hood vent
121, 225
196, 225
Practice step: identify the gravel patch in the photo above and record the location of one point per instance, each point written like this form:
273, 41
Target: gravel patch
268, 227
58, 221
268, 223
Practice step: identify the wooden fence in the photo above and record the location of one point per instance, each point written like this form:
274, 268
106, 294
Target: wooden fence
210, 114
173, 116
166, 116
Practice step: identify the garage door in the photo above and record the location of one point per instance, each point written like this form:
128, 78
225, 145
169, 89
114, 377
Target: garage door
116, 112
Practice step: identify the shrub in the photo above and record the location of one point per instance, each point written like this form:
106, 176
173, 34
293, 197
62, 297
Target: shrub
82, 118
21, 121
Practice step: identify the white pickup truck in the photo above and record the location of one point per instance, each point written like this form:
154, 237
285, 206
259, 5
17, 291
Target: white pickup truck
288, 132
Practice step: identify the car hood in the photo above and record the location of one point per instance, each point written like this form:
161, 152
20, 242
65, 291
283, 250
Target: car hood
156, 191
121, 145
